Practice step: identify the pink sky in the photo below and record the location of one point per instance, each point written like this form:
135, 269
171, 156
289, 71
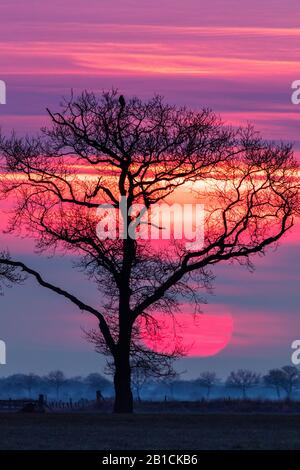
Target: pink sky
237, 57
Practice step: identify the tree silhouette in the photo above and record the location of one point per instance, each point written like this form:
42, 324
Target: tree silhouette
145, 364
275, 378
243, 379
97, 382
207, 380
291, 378
31, 381
145, 153
285, 378
57, 379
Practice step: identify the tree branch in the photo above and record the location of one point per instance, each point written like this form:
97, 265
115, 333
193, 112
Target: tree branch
81, 305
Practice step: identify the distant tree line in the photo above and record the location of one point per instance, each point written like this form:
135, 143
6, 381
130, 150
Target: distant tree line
55, 385
284, 382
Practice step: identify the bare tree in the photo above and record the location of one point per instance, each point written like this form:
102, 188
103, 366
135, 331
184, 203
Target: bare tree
31, 381
57, 379
275, 378
139, 378
151, 366
207, 380
145, 364
144, 152
9, 274
291, 378
97, 382
243, 379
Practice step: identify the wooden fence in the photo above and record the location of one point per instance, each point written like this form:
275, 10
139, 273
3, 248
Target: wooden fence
41, 404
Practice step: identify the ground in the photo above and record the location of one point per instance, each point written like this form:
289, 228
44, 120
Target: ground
149, 431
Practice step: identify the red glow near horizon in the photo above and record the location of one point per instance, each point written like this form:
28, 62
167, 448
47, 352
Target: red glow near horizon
197, 335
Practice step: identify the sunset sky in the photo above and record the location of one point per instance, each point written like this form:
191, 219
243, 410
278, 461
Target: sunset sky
238, 58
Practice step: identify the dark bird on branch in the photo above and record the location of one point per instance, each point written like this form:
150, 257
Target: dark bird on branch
122, 101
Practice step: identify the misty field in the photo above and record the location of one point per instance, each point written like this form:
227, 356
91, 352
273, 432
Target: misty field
148, 431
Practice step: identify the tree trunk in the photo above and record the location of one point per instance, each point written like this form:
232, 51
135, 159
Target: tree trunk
122, 383
122, 378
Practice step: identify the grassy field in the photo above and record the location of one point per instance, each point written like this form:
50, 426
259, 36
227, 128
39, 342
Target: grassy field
149, 431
